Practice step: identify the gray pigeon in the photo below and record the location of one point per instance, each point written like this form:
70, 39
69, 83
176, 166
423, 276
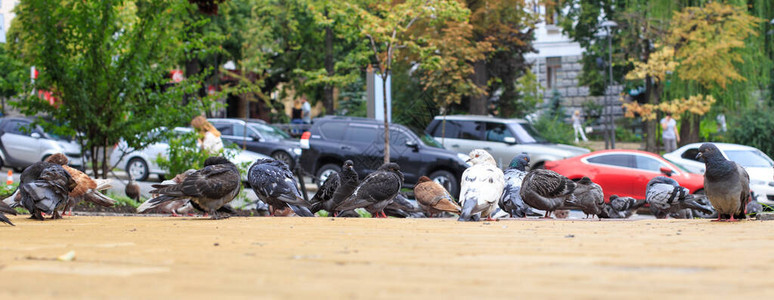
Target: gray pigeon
49, 190
621, 207
4, 208
376, 191
753, 207
348, 181
208, 189
403, 208
666, 196
325, 192
546, 190
588, 197
273, 183
726, 183
511, 202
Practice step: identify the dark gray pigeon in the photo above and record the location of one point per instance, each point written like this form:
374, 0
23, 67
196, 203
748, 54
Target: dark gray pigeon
273, 183
546, 190
48, 191
208, 189
588, 197
621, 207
753, 208
511, 202
348, 182
726, 183
325, 192
666, 196
4, 208
401, 207
376, 191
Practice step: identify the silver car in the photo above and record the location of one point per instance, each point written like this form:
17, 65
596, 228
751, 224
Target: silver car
23, 144
140, 164
503, 138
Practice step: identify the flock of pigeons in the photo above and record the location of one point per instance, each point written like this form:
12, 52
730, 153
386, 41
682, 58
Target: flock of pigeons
486, 191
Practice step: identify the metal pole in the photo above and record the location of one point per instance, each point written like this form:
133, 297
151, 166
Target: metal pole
610, 105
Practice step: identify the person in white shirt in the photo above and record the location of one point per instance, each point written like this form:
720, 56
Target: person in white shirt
209, 137
669, 136
577, 124
306, 111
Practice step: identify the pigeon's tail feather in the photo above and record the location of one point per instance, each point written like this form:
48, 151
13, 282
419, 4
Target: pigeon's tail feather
638, 204
12, 199
692, 204
467, 210
103, 184
98, 198
7, 209
5, 219
444, 204
301, 211
152, 203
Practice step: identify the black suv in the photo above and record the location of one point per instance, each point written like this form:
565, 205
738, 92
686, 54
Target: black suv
334, 139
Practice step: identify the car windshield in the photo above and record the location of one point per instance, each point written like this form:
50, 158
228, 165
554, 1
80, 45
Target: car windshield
269, 131
426, 138
526, 134
749, 158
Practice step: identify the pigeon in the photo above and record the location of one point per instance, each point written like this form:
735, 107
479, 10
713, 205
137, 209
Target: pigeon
482, 186
376, 191
546, 190
4, 208
726, 183
621, 207
175, 207
401, 207
348, 182
511, 201
45, 189
209, 188
274, 184
86, 188
666, 196
132, 189
325, 192
588, 197
433, 198
753, 208
685, 213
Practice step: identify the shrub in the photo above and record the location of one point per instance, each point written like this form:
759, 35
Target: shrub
753, 127
554, 129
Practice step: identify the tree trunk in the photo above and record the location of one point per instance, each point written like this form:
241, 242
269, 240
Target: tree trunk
191, 69
329, 68
480, 78
689, 129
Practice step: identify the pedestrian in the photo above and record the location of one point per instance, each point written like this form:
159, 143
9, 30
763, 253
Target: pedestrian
721, 118
209, 137
669, 136
296, 114
306, 111
577, 124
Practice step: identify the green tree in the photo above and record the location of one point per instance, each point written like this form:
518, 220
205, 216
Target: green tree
13, 76
392, 30
107, 63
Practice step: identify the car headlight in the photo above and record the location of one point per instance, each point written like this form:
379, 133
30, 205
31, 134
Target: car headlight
464, 158
297, 151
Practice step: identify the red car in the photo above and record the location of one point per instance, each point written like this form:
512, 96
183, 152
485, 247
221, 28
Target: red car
624, 172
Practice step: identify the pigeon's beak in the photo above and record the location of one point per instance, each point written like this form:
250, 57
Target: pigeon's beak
699, 155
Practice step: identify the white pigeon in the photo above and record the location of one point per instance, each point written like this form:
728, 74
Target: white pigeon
482, 186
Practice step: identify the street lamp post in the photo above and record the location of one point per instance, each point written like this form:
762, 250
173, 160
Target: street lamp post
609, 25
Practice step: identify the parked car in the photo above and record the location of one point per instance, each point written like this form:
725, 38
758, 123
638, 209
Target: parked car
257, 136
759, 166
503, 138
331, 140
624, 172
140, 164
23, 144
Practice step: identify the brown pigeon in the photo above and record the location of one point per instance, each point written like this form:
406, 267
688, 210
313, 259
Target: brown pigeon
132, 189
434, 198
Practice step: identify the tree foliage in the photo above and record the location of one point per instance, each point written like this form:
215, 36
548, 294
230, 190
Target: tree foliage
107, 63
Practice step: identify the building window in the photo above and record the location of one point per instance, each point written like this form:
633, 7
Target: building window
552, 68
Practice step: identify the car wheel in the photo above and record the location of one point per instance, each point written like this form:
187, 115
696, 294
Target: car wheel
138, 169
447, 180
284, 157
325, 171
